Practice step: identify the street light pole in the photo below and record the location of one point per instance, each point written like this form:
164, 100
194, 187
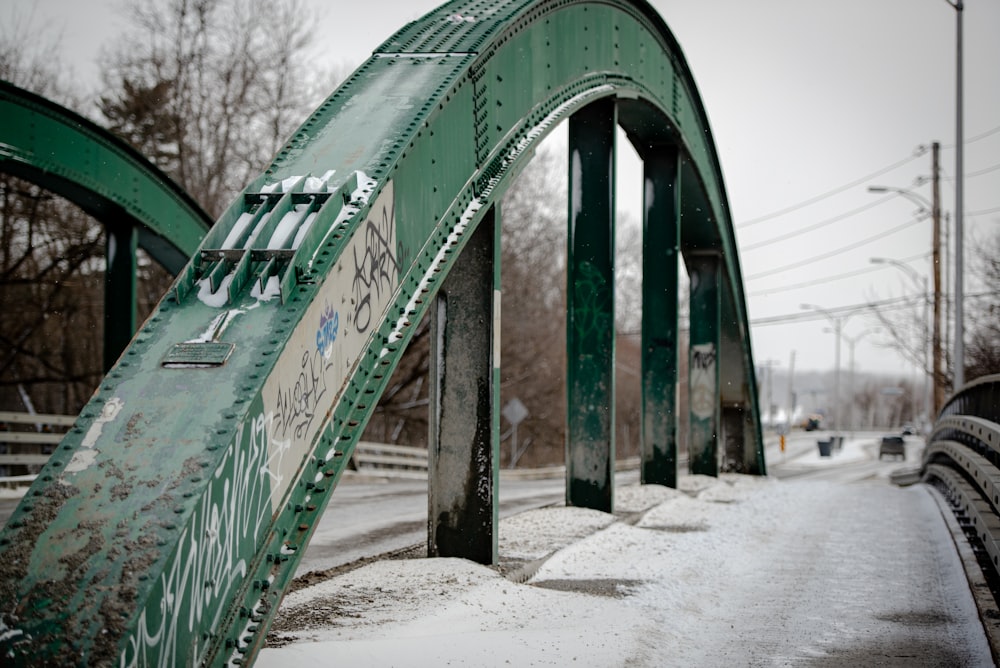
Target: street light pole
838, 323
937, 366
851, 342
959, 362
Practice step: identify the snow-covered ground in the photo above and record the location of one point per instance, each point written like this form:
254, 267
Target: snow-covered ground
730, 571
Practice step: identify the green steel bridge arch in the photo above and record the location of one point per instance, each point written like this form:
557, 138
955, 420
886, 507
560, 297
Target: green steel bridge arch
138, 204
169, 522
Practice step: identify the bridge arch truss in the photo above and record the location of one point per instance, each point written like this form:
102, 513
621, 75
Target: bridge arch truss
139, 206
233, 412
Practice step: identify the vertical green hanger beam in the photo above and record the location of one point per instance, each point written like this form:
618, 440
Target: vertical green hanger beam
660, 336
703, 364
119, 289
590, 315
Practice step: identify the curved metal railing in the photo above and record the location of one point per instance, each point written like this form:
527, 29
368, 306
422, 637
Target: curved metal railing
962, 459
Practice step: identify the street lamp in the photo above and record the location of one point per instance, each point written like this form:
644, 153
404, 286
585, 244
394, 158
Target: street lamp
920, 282
937, 365
838, 322
851, 342
920, 200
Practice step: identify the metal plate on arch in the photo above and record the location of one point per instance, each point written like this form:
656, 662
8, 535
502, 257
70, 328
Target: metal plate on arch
197, 355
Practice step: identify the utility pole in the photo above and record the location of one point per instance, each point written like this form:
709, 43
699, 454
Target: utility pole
791, 388
937, 372
768, 366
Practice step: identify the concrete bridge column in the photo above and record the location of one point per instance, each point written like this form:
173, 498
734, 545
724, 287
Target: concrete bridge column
463, 445
590, 315
661, 243
703, 363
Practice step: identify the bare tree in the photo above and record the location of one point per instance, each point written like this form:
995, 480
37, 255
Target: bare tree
210, 89
982, 351
51, 258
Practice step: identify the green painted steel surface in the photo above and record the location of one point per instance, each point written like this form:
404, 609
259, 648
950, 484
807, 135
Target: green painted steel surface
590, 309
703, 364
73, 157
660, 264
168, 524
139, 205
120, 289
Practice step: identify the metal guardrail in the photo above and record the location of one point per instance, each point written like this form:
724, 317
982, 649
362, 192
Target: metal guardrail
26, 431
23, 435
400, 461
962, 459
380, 459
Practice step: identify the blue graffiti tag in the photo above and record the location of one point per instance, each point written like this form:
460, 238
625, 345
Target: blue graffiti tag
329, 323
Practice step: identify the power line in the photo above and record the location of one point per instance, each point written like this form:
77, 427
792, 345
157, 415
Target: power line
985, 170
921, 150
983, 135
816, 226
807, 316
838, 251
891, 304
830, 279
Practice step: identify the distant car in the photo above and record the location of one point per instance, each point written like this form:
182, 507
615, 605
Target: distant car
892, 445
909, 430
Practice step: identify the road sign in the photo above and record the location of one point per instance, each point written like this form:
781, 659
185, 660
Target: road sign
515, 411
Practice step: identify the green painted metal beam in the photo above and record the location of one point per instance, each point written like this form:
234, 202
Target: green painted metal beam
703, 364
590, 308
64, 152
169, 522
119, 289
69, 155
660, 336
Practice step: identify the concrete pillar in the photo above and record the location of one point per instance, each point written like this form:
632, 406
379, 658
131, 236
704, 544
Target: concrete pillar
463, 445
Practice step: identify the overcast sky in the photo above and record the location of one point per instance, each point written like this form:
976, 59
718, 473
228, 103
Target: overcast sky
805, 98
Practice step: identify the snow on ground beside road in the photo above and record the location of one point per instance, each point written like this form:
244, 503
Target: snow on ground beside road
738, 571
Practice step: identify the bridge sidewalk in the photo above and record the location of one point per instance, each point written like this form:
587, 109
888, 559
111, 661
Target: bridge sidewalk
735, 571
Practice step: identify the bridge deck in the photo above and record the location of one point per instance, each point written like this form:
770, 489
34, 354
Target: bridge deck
843, 571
